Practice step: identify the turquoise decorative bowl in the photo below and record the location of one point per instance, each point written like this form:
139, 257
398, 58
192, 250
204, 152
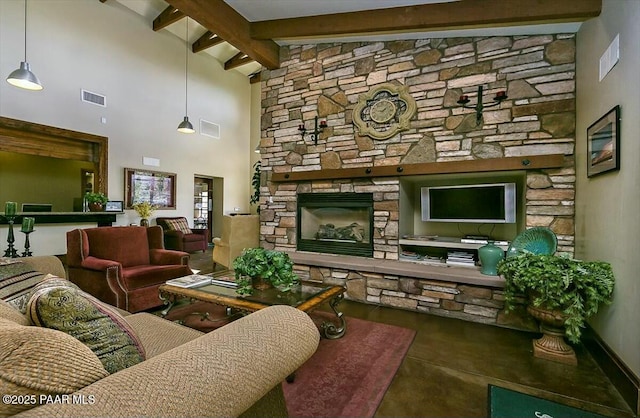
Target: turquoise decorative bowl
537, 240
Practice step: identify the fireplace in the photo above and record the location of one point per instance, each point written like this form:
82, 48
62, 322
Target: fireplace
335, 223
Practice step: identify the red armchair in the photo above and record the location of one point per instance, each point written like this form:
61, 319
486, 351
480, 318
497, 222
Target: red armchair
178, 236
123, 265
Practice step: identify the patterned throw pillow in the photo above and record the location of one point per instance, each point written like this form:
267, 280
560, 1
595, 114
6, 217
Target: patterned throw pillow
179, 224
40, 361
16, 281
8, 311
97, 325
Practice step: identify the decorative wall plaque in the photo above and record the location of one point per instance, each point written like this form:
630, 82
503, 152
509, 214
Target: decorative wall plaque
384, 111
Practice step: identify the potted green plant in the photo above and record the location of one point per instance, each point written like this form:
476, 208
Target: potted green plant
96, 201
259, 268
255, 183
144, 210
562, 293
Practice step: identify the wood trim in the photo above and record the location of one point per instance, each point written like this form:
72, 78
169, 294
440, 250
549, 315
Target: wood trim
625, 381
220, 18
255, 78
465, 14
47, 141
208, 40
467, 166
100, 218
237, 60
167, 17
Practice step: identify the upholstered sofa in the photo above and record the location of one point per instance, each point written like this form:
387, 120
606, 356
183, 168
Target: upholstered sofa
123, 265
235, 370
238, 232
179, 236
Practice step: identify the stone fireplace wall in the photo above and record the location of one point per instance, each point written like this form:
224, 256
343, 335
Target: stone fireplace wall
538, 73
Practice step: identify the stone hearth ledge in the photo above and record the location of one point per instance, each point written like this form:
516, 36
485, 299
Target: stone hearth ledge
398, 268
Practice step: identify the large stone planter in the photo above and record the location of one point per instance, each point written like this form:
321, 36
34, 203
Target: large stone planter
552, 345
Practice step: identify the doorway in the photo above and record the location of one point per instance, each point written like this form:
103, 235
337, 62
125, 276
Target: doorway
207, 204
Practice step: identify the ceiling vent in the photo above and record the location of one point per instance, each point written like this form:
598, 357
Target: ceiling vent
94, 98
209, 129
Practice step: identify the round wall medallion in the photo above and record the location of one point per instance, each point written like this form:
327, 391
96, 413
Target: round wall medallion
384, 111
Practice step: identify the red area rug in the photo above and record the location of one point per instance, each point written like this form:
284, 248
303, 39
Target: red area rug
347, 377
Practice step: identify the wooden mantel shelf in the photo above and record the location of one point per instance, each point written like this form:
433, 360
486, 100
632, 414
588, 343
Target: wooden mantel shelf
446, 167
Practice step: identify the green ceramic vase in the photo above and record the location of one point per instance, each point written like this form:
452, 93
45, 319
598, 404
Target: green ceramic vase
489, 256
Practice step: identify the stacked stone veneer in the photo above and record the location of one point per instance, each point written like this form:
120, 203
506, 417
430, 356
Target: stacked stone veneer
538, 73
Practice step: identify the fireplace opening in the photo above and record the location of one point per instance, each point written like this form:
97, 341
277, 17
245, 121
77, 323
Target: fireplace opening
335, 223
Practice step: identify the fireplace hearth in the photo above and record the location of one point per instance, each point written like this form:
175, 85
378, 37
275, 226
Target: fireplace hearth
335, 223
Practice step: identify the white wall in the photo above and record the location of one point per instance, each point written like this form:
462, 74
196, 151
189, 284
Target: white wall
108, 49
256, 109
607, 206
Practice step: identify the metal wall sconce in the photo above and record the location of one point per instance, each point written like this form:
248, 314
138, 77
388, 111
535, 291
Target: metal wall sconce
499, 98
317, 129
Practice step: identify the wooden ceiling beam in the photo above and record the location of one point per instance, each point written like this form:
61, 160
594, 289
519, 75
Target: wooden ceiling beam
255, 78
237, 60
168, 16
464, 14
208, 40
220, 18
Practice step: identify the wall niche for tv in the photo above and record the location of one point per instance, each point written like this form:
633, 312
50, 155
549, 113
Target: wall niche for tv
411, 223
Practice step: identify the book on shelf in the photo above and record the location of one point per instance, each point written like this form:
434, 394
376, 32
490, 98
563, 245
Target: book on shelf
192, 280
482, 241
461, 263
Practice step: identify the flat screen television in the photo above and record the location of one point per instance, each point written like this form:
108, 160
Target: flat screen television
478, 203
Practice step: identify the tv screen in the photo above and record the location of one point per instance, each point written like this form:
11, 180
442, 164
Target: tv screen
480, 203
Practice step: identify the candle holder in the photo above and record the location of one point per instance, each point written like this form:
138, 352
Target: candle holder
317, 130
499, 98
10, 251
26, 252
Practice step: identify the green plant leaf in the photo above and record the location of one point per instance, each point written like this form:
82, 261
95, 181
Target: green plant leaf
575, 287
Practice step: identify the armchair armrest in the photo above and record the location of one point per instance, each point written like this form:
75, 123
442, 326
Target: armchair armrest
219, 243
208, 376
164, 257
98, 264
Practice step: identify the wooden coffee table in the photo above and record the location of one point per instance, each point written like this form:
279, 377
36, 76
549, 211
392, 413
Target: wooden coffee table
305, 297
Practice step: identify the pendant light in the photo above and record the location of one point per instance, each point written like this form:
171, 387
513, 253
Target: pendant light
23, 77
185, 126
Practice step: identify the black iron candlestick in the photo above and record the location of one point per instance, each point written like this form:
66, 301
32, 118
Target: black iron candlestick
500, 96
10, 251
317, 129
26, 252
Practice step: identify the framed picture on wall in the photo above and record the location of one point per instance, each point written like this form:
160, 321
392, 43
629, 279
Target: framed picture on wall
154, 187
603, 144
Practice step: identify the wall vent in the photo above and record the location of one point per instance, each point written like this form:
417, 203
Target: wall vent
94, 98
209, 129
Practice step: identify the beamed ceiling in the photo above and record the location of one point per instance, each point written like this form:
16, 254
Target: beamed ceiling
246, 35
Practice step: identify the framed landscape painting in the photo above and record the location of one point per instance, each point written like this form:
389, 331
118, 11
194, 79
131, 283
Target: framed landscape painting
603, 144
154, 187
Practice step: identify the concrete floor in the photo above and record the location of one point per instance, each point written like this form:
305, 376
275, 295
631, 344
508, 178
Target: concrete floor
451, 362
